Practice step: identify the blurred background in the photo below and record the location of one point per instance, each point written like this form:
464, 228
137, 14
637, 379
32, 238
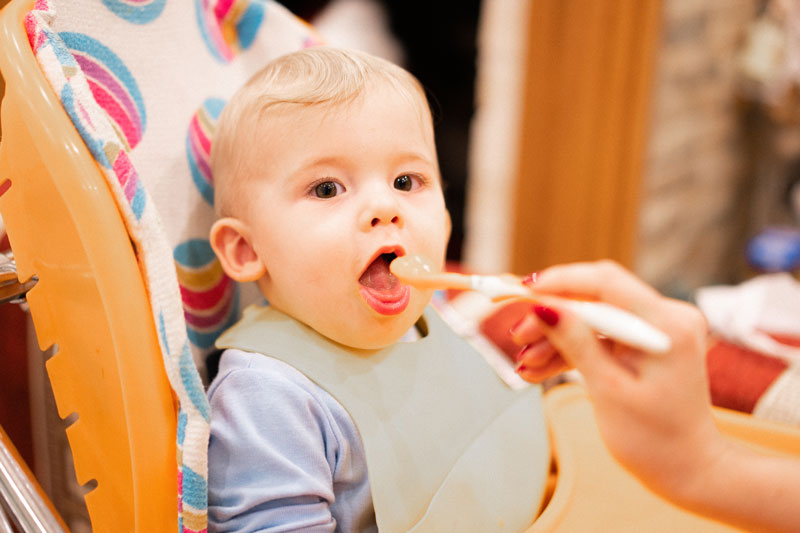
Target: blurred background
664, 134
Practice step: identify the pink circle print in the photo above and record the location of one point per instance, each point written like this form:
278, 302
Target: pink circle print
112, 85
228, 26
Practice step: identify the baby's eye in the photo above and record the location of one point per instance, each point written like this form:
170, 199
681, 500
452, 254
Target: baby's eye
328, 189
407, 182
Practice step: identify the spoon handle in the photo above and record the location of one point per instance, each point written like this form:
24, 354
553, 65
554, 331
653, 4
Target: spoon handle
621, 326
603, 318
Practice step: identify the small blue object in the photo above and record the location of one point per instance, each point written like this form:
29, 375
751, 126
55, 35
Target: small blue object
775, 249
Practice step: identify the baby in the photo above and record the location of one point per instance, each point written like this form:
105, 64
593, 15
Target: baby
325, 170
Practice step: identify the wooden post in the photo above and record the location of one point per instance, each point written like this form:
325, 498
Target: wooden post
588, 93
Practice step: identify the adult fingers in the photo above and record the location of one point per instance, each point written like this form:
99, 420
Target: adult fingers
527, 330
536, 354
576, 343
539, 361
547, 368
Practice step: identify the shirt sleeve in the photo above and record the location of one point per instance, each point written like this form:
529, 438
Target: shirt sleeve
272, 455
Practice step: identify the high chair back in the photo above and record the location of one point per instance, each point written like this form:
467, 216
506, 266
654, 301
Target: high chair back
107, 199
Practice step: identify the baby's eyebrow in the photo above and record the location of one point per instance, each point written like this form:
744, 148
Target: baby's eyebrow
331, 160
340, 160
413, 156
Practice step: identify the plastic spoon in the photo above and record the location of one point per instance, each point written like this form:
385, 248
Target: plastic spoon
603, 318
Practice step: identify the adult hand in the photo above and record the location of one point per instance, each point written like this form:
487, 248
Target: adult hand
654, 410
650, 408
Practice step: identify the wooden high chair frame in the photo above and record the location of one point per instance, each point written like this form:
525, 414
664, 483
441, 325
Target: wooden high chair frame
91, 302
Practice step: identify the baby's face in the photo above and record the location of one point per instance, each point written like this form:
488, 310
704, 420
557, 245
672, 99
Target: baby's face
338, 193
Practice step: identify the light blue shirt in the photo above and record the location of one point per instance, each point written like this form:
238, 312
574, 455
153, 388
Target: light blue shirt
283, 454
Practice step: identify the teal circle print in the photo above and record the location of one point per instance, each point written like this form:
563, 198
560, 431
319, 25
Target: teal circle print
136, 11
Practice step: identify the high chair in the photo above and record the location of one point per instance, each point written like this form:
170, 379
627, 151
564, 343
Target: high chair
74, 220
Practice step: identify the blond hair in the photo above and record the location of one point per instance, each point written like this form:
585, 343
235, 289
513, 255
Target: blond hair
311, 77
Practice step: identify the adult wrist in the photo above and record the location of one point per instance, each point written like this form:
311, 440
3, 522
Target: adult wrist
707, 475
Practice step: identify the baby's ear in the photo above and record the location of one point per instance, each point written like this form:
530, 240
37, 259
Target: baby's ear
230, 240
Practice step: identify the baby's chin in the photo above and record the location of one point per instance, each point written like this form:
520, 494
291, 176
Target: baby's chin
375, 331
357, 326
384, 333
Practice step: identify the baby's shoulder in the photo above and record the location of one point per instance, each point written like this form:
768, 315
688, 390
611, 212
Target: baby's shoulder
238, 368
262, 386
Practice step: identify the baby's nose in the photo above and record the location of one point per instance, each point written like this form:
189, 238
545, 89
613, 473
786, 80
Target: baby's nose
379, 220
382, 210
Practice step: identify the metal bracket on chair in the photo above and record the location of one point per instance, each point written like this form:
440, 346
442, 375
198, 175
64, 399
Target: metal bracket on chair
22, 497
5, 525
12, 290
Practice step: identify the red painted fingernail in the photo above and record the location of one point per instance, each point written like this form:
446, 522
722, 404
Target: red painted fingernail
531, 278
546, 315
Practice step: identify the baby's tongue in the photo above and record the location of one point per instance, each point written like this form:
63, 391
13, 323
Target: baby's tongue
378, 277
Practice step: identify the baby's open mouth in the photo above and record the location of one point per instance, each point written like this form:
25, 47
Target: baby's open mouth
382, 291
377, 276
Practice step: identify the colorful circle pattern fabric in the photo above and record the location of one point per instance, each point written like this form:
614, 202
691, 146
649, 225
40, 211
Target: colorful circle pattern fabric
112, 86
136, 11
198, 146
228, 26
210, 297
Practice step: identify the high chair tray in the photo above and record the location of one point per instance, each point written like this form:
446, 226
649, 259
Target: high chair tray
594, 493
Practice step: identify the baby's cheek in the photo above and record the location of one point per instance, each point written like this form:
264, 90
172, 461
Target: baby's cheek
434, 234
